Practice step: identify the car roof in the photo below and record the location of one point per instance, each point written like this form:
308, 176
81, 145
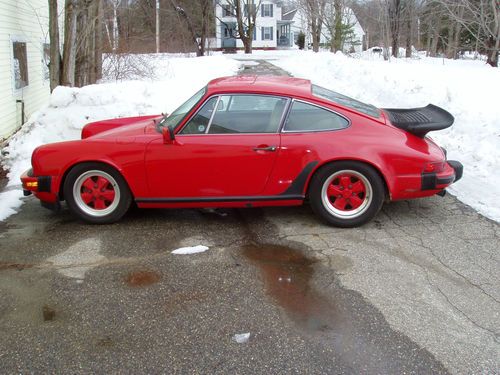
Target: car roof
262, 84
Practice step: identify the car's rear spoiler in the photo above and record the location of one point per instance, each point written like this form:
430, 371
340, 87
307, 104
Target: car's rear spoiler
420, 121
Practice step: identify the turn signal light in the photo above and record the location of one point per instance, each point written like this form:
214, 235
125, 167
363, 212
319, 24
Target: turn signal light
32, 184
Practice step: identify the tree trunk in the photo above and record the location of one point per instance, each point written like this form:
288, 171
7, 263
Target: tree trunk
394, 22
98, 42
337, 40
409, 20
69, 50
435, 37
55, 53
493, 47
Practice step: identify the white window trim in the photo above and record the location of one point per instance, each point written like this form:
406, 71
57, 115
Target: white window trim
21, 39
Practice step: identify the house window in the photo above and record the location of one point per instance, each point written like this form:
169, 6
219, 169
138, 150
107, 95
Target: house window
267, 33
250, 7
20, 64
227, 10
266, 10
46, 62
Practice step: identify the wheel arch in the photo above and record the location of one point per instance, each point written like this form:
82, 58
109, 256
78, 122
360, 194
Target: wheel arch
68, 169
323, 164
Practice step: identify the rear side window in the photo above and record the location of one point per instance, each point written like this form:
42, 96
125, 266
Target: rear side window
308, 117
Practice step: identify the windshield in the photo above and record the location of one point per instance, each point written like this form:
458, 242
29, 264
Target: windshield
335, 97
176, 117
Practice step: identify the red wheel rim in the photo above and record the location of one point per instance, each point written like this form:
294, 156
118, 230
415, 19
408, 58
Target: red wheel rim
97, 192
346, 192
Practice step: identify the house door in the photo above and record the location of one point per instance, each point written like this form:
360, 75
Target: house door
228, 31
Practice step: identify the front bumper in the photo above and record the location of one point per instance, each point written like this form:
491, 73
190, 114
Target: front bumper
439, 181
43, 187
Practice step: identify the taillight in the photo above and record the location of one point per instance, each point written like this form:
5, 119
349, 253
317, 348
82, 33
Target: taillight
434, 167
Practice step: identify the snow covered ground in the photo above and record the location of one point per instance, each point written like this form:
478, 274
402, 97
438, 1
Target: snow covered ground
173, 79
468, 89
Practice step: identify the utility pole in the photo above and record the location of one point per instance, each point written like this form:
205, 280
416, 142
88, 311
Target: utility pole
157, 26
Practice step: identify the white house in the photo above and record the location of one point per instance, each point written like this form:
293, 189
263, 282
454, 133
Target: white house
301, 23
271, 30
24, 55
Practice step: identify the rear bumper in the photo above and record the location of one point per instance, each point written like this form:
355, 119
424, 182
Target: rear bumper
438, 181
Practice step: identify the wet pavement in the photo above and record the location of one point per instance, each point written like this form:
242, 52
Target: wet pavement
414, 291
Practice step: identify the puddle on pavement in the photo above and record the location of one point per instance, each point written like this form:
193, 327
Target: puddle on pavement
142, 278
364, 343
287, 274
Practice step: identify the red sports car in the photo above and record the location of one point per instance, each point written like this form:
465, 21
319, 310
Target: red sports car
245, 142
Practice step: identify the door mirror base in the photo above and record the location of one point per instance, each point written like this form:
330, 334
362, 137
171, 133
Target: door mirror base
168, 135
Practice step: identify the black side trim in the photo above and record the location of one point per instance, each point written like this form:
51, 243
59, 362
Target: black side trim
428, 181
221, 199
44, 183
297, 185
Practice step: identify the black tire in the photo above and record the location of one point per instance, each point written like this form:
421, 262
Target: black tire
100, 209
324, 202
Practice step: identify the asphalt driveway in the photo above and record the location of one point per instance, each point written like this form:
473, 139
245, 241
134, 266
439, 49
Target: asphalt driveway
415, 291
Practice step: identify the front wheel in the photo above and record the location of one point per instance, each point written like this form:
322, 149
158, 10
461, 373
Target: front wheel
346, 194
96, 193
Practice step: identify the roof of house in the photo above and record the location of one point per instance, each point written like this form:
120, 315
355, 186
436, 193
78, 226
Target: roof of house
288, 16
262, 84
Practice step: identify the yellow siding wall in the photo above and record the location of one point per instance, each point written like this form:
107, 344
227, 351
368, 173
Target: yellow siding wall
26, 21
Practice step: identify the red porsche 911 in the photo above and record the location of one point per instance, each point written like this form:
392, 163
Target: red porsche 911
249, 141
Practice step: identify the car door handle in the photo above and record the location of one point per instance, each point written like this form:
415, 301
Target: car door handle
266, 148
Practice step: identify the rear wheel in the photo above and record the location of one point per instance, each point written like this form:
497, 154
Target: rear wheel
346, 194
96, 193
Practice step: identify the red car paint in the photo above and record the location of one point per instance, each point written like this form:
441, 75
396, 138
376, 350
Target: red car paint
224, 170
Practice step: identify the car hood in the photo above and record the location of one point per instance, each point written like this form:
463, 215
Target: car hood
120, 127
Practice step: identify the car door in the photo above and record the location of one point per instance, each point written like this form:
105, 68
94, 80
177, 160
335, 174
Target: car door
228, 152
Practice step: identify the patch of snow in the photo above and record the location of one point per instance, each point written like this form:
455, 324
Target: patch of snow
70, 109
78, 258
467, 89
190, 250
241, 338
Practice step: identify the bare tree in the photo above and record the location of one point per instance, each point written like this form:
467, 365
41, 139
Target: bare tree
480, 18
55, 53
394, 13
315, 13
69, 49
198, 35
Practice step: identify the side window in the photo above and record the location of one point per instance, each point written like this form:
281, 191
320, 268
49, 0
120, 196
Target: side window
20, 64
307, 117
247, 114
199, 123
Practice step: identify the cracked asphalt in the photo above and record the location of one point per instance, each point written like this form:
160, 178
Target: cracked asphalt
417, 290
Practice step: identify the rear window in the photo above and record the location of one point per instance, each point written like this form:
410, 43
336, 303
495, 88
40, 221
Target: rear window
335, 97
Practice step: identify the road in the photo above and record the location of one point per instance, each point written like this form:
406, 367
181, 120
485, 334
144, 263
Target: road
414, 291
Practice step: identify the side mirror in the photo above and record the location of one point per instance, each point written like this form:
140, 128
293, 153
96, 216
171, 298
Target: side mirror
168, 135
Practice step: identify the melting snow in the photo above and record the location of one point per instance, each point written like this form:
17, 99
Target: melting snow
241, 338
190, 250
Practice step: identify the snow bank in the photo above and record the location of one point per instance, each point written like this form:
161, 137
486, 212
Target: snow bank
69, 109
467, 89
